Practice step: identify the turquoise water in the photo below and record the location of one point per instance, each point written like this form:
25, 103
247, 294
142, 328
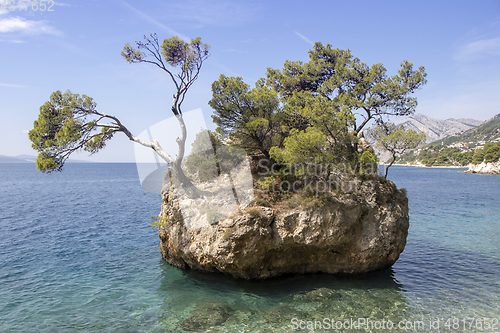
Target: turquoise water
77, 255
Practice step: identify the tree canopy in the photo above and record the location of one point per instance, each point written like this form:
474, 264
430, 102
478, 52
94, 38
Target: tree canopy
69, 122
250, 116
336, 78
315, 111
396, 140
188, 57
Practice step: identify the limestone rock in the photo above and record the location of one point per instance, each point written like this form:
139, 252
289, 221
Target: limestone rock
485, 168
350, 233
436, 129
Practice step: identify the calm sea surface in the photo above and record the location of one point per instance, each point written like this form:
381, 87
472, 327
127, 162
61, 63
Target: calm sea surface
77, 255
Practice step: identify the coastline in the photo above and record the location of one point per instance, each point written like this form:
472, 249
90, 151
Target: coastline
483, 168
434, 166
491, 168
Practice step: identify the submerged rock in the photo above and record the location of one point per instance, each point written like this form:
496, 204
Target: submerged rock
320, 294
348, 234
208, 315
280, 313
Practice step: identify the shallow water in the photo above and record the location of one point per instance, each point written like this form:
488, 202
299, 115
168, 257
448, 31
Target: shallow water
77, 254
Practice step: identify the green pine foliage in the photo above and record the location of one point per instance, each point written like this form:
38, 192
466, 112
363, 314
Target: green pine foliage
158, 222
249, 116
210, 157
202, 160
396, 140
305, 112
439, 156
67, 123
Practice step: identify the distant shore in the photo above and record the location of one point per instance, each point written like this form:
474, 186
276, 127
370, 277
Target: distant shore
483, 168
434, 166
491, 168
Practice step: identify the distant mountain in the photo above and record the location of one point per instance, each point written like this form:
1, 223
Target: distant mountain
489, 131
436, 129
471, 146
17, 159
29, 159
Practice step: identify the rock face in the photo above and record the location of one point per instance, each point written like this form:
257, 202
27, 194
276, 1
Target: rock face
350, 233
436, 129
485, 168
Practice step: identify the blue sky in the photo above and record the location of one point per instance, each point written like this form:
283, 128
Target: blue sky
77, 47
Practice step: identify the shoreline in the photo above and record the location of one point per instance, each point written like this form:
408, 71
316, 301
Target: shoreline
480, 169
430, 167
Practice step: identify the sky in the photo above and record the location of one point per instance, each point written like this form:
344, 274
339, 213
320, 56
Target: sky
76, 46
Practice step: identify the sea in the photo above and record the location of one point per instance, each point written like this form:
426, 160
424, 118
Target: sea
77, 254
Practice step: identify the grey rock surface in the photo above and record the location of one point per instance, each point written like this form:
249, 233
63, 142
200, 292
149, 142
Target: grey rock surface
350, 233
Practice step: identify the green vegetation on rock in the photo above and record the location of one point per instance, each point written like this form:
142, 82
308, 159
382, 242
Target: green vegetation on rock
306, 113
69, 122
396, 140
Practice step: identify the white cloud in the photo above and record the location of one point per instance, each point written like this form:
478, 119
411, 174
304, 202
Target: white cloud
62, 4
19, 24
304, 38
11, 85
480, 48
234, 51
14, 41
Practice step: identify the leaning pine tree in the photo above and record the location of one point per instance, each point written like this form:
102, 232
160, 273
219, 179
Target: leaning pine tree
69, 122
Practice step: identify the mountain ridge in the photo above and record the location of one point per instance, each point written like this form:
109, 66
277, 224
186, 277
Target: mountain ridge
17, 159
436, 129
473, 146
30, 159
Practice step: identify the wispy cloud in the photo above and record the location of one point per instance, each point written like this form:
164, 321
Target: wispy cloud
11, 85
479, 48
14, 41
476, 99
19, 24
223, 67
153, 21
304, 38
62, 4
234, 51
214, 12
